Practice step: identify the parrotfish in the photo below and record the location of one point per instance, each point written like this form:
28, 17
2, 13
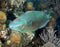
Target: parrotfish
30, 21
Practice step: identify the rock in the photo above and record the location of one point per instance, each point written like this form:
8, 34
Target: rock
49, 44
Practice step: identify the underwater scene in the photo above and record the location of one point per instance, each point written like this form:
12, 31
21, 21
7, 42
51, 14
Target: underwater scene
29, 23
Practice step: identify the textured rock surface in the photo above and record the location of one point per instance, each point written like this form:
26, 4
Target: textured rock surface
49, 45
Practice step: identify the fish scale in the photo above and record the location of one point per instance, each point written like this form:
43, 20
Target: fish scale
30, 21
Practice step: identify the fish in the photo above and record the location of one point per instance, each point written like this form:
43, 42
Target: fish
30, 21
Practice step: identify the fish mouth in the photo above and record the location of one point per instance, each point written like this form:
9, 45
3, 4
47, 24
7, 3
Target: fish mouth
16, 25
